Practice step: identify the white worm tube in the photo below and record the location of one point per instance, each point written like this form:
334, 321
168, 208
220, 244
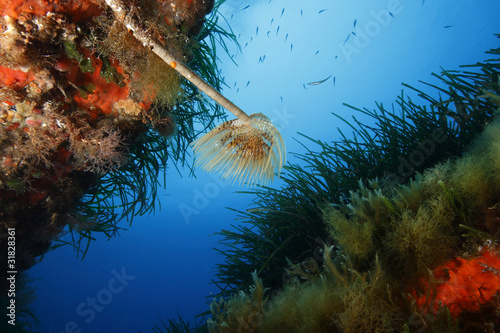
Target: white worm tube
120, 13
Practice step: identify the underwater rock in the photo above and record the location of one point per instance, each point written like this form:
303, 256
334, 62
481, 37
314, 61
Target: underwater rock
186, 15
76, 91
417, 253
431, 266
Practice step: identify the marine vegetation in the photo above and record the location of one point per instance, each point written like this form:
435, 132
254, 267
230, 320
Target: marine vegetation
89, 117
391, 228
177, 326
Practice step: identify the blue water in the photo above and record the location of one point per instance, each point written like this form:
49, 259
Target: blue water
163, 264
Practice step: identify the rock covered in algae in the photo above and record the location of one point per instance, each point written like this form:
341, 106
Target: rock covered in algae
76, 90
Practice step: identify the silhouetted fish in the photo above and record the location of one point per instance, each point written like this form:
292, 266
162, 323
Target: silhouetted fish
316, 52
277, 30
245, 7
257, 31
247, 84
448, 26
301, 13
286, 37
291, 47
282, 12
391, 14
272, 20
281, 97
268, 31
354, 34
355, 23
334, 81
321, 11
347, 39
315, 83
303, 85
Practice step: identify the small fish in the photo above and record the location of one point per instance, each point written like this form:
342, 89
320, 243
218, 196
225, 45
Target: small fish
257, 31
245, 7
247, 84
251, 39
321, 11
391, 14
336, 57
237, 89
231, 16
291, 47
239, 36
354, 34
355, 21
282, 12
246, 44
272, 20
277, 30
286, 37
260, 60
347, 39
268, 31
334, 81
448, 26
281, 97
315, 83
263, 58
234, 85
316, 52
301, 13
303, 85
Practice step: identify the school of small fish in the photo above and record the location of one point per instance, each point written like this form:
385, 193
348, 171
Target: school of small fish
262, 58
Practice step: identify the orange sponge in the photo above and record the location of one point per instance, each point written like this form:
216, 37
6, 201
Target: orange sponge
78, 9
466, 284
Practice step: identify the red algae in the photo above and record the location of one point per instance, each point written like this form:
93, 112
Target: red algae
78, 10
103, 94
14, 78
465, 284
